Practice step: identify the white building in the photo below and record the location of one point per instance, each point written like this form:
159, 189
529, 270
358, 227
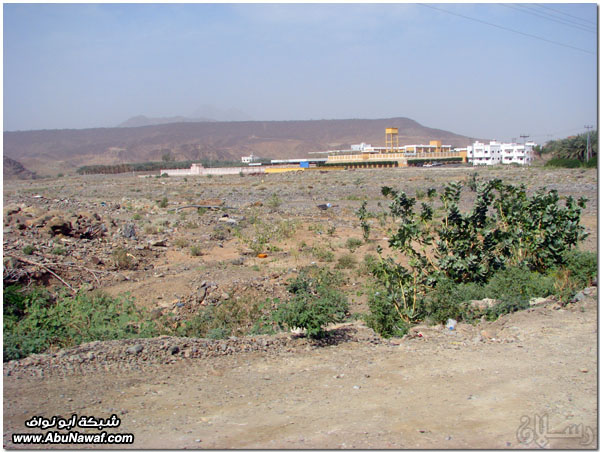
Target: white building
249, 159
496, 152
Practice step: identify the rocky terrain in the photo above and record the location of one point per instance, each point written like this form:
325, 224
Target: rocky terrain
147, 237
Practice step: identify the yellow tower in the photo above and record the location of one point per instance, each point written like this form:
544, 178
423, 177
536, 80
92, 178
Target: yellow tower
391, 139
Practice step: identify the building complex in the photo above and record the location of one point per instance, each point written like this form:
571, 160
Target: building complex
496, 152
364, 155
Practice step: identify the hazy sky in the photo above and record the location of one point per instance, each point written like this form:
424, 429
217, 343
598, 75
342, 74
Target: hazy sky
96, 65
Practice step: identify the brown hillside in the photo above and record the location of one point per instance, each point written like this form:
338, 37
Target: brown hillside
15, 170
68, 149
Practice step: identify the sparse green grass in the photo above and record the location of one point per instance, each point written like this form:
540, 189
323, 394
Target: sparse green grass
346, 261
122, 259
322, 254
59, 250
180, 242
195, 250
353, 244
28, 250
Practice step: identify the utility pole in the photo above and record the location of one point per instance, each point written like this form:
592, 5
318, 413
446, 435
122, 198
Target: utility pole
587, 147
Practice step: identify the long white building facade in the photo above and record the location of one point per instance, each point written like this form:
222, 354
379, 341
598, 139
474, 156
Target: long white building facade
496, 152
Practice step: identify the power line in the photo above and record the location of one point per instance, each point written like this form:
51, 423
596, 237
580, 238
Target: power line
591, 27
557, 132
507, 29
559, 21
566, 14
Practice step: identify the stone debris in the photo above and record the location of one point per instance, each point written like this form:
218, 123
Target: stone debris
128, 353
135, 349
484, 303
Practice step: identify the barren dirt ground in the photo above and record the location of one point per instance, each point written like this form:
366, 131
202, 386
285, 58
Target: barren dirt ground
478, 387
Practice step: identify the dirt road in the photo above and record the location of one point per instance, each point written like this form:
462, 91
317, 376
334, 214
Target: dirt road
480, 387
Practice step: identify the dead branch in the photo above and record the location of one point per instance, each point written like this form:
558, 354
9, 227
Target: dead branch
27, 261
197, 206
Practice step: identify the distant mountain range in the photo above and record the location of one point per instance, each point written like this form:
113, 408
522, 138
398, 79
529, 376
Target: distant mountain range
205, 113
143, 121
52, 151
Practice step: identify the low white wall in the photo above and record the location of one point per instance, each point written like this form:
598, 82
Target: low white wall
213, 171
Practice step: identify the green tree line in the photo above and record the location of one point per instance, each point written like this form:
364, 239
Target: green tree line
571, 151
153, 166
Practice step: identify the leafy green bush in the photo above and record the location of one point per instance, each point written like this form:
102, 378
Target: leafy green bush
558, 162
34, 323
383, 316
450, 300
517, 284
582, 266
315, 302
593, 163
233, 316
579, 271
505, 248
363, 215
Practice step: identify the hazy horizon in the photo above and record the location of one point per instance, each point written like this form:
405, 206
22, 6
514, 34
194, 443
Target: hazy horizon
480, 70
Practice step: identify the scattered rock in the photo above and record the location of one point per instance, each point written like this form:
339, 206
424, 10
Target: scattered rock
156, 313
135, 349
579, 296
159, 243
10, 210
58, 225
539, 301
484, 304
128, 231
173, 349
584, 370
486, 335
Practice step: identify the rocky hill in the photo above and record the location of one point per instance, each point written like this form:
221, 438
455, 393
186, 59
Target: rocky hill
15, 170
65, 150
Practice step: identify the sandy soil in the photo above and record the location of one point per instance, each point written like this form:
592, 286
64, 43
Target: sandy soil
471, 389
